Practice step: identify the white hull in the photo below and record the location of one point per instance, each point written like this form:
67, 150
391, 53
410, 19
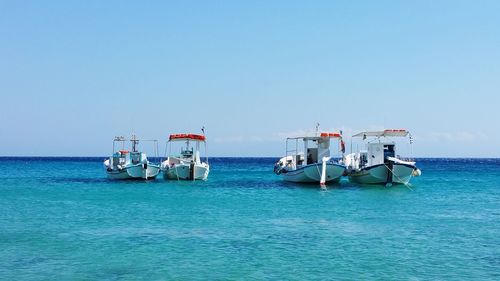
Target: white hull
183, 172
379, 174
312, 173
135, 172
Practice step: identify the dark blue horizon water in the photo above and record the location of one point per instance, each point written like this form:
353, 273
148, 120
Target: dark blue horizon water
61, 219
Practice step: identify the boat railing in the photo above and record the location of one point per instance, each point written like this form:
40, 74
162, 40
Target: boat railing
179, 160
406, 159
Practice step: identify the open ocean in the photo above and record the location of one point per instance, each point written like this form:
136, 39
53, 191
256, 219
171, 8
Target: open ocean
61, 219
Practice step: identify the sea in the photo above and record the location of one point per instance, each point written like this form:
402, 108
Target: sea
62, 219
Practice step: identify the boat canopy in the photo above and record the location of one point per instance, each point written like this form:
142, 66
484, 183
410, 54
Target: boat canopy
187, 137
331, 135
321, 136
384, 133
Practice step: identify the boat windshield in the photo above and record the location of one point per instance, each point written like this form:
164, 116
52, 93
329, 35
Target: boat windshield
187, 153
118, 158
135, 157
389, 151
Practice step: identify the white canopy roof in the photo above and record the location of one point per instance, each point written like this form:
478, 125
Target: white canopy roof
384, 133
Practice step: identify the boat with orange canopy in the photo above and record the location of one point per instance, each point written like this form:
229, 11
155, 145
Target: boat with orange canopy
187, 165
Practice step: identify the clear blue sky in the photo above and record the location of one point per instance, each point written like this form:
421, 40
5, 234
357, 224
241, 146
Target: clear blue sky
73, 74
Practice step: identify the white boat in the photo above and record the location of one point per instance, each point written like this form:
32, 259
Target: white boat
187, 165
124, 164
317, 167
379, 164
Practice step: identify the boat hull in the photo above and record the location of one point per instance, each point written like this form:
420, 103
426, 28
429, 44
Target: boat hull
379, 174
312, 173
135, 172
183, 172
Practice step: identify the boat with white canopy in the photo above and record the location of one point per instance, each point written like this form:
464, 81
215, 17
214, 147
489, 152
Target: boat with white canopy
308, 160
379, 163
188, 164
124, 164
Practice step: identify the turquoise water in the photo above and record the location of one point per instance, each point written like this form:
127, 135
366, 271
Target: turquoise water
61, 219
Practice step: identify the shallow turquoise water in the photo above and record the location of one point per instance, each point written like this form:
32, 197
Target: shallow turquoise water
61, 219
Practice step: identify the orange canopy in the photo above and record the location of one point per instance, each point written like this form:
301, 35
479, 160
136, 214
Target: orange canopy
187, 137
331, 135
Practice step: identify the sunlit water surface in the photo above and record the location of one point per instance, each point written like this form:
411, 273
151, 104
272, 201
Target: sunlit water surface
61, 219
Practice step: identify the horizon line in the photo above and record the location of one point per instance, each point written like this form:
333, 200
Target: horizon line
418, 157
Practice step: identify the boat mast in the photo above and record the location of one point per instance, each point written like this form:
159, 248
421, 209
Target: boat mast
135, 141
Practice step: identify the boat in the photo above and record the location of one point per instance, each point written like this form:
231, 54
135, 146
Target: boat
317, 167
124, 164
379, 163
187, 165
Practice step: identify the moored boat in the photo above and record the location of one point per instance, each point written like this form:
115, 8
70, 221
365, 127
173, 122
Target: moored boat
188, 164
313, 164
124, 164
379, 163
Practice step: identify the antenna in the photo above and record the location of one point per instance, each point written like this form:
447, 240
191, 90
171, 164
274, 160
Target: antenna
205, 144
317, 128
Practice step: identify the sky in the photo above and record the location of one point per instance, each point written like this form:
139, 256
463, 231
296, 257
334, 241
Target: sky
74, 74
